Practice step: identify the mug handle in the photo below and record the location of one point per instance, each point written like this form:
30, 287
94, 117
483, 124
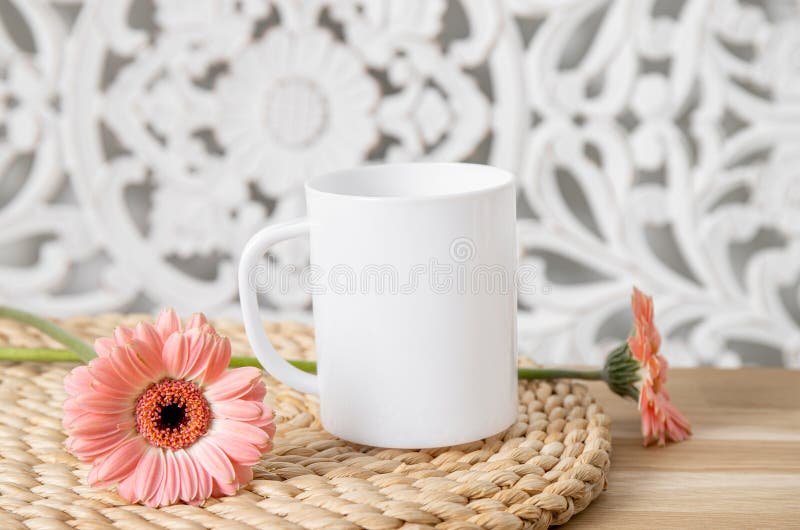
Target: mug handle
269, 358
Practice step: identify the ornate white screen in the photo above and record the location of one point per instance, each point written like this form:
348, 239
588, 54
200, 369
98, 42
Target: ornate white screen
655, 142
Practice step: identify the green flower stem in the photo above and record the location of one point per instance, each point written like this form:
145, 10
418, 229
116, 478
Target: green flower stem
79, 351
559, 373
83, 351
38, 355
52, 355
306, 366
56, 355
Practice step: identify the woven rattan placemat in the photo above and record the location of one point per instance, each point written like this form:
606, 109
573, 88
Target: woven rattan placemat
550, 465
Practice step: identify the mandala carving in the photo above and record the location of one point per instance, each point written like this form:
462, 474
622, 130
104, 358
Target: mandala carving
655, 142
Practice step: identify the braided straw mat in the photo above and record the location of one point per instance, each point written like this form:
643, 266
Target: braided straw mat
544, 469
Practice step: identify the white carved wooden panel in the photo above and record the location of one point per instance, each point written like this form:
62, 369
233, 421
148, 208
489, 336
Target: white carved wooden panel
655, 142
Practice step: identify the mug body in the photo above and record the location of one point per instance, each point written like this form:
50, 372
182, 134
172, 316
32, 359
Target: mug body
414, 299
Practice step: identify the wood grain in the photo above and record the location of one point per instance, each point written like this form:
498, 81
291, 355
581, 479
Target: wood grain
741, 469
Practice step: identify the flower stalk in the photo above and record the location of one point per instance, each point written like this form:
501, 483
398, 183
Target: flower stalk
61, 355
79, 351
83, 351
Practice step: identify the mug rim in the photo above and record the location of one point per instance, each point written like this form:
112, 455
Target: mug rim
502, 179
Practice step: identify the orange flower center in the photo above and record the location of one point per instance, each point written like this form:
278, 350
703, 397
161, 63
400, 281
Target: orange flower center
172, 413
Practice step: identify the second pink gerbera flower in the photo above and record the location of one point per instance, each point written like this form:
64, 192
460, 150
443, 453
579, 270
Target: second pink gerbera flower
661, 420
159, 413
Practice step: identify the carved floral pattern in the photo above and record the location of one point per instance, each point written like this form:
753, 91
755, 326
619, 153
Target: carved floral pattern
655, 143
294, 105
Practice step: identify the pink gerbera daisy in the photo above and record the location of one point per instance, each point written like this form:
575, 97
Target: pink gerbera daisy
159, 413
661, 419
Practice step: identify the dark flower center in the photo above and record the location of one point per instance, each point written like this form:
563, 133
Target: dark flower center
172, 413
172, 416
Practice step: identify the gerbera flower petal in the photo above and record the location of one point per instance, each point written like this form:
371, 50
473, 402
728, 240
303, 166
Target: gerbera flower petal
149, 360
122, 335
103, 371
213, 459
196, 321
205, 483
244, 473
71, 411
167, 324
118, 463
175, 355
640, 348
131, 366
127, 487
234, 384
257, 393
78, 380
247, 432
113, 435
642, 306
149, 474
103, 346
91, 424
92, 447
170, 487
654, 337
100, 403
644, 327
146, 332
189, 483
676, 425
218, 361
200, 346
236, 449
239, 409
267, 424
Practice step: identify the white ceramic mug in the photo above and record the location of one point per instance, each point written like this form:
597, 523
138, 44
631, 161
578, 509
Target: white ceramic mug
409, 362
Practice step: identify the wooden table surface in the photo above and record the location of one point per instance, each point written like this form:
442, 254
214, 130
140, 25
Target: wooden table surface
741, 468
